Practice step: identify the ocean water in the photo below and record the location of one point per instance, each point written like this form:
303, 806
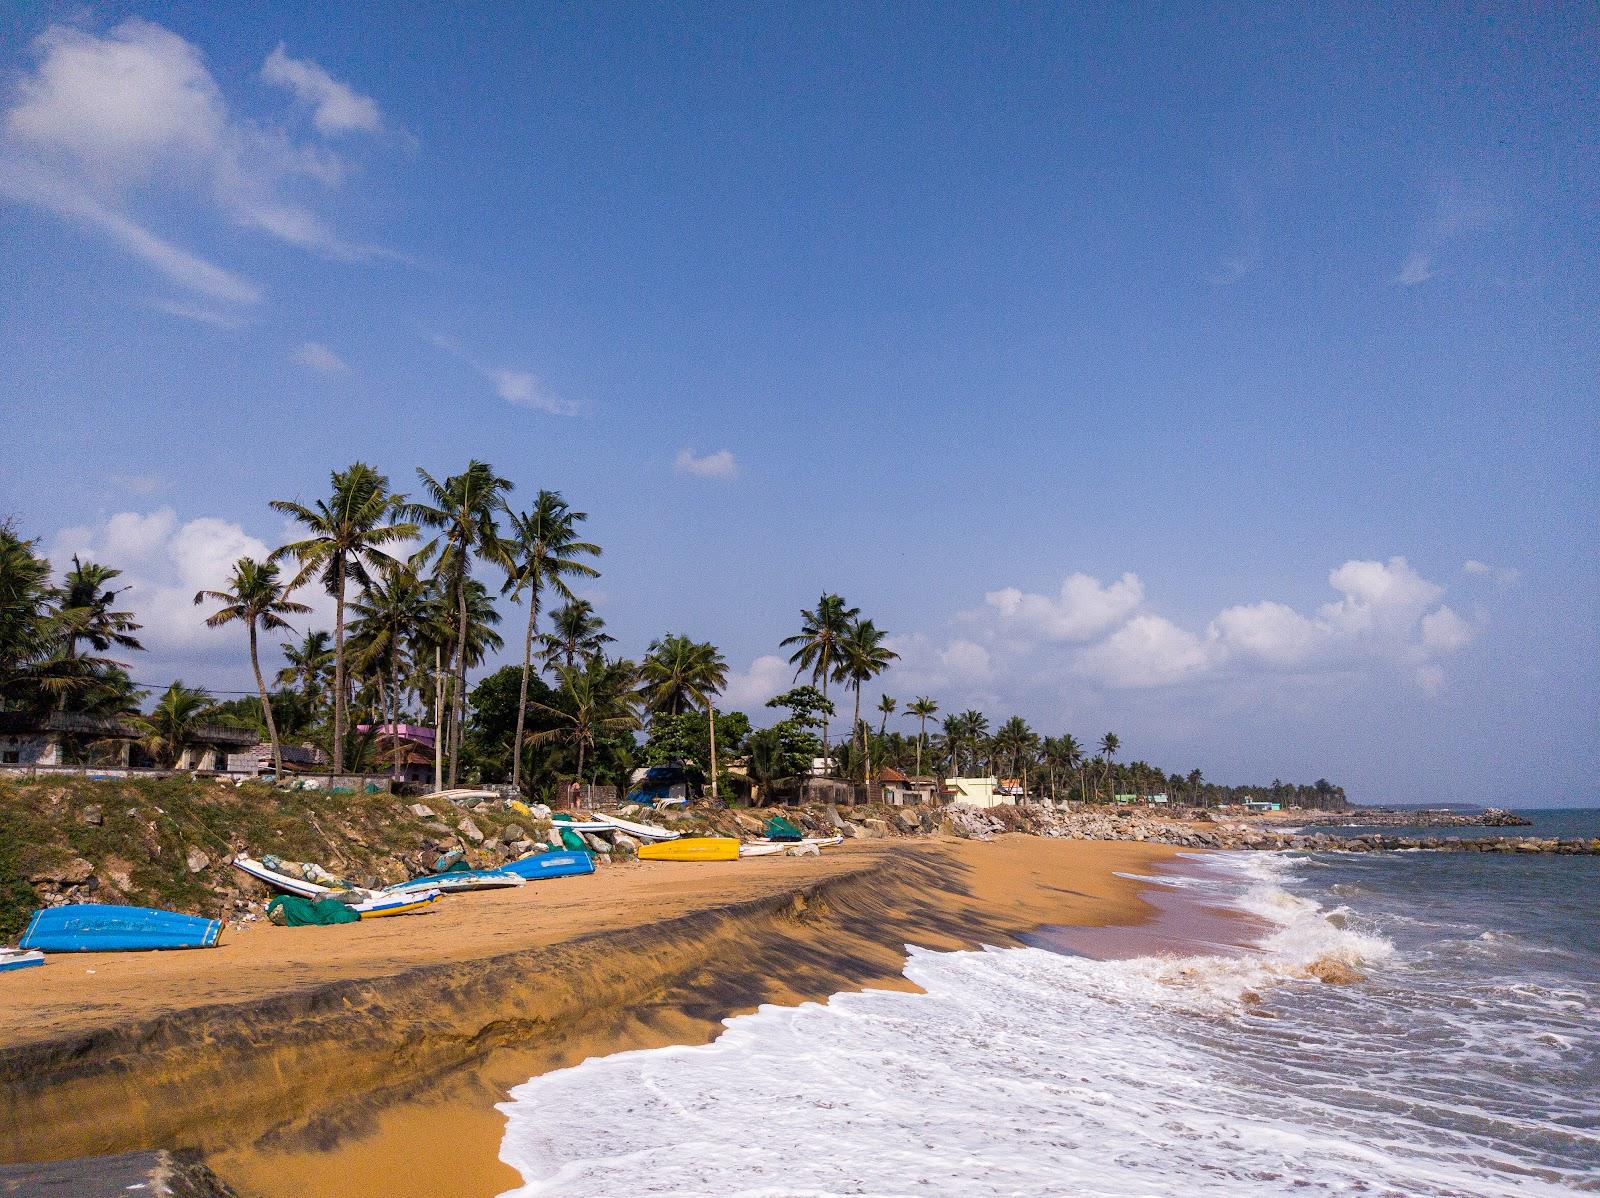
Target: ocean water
1466, 1062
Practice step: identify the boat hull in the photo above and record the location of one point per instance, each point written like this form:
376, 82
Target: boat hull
692, 848
461, 879
398, 904
638, 831
551, 865
104, 928
11, 958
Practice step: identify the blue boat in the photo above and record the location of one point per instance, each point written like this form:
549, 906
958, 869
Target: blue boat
16, 958
551, 865
457, 879
104, 928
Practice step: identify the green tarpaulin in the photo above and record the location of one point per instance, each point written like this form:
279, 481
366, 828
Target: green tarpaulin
779, 828
572, 840
290, 911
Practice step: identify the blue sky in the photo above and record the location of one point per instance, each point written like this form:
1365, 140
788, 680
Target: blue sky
1227, 381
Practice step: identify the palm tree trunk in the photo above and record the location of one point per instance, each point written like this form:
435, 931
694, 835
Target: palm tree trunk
580, 766
522, 695
855, 734
711, 716
394, 712
438, 719
827, 749
922, 732
458, 700
266, 707
338, 669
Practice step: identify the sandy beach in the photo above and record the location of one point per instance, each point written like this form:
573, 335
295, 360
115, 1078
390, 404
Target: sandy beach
366, 1060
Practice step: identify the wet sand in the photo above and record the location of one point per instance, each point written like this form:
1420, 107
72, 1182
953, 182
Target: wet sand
365, 1060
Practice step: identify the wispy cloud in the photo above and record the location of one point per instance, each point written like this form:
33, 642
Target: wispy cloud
336, 107
220, 320
517, 387
710, 465
1418, 268
313, 355
132, 120
1455, 214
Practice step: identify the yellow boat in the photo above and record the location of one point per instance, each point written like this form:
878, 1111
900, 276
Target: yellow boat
398, 904
692, 848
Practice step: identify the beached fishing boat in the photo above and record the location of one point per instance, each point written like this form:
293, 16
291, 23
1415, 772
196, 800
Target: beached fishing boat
454, 881
752, 849
104, 928
372, 905
646, 832
16, 958
551, 865
822, 842
404, 903
692, 848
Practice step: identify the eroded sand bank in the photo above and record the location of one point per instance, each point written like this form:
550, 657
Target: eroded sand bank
365, 1059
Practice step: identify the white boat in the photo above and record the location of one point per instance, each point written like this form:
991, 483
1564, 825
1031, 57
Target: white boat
456, 880
372, 902
19, 958
461, 795
822, 842
764, 850
640, 831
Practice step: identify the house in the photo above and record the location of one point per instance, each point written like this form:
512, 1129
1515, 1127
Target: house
413, 744
63, 740
975, 792
896, 789
297, 759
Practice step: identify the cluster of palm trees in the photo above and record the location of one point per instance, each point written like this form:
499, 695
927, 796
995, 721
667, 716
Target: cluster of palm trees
836, 644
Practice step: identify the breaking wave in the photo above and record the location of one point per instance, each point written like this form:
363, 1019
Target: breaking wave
1028, 1072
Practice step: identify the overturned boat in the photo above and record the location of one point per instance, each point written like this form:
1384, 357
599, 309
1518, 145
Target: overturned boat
106, 928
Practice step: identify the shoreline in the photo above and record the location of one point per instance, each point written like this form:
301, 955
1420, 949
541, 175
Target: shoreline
464, 1003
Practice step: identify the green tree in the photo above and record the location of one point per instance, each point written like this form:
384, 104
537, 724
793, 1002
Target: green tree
492, 724
257, 599
1016, 744
886, 708
590, 703
863, 655
462, 512
84, 611
542, 549
1109, 744
677, 671
170, 727
389, 616
923, 708
30, 674
818, 643
577, 634
347, 532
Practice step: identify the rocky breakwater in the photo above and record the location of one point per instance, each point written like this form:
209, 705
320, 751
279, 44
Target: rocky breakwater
1204, 831
1383, 817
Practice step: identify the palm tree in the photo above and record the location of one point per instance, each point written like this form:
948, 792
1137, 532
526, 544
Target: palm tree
462, 511
923, 708
886, 708
676, 672
817, 644
83, 609
1109, 744
256, 598
307, 665
862, 657
1062, 752
766, 760
542, 549
595, 700
30, 674
576, 633
1016, 743
170, 726
347, 533
392, 610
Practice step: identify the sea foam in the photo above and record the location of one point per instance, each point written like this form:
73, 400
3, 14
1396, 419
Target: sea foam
1027, 1072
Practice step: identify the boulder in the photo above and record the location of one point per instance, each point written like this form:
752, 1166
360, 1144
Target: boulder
908, 819
836, 821
470, 830
539, 810
522, 848
92, 815
803, 850
875, 828
72, 872
623, 841
597, 843
439, 829
511, 832
423, 811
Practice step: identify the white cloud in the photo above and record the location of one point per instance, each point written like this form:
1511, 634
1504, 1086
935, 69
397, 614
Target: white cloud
132, 119
711, 465
1146, 651
1505, 575
315, 356
195, 313
336, 107
1417, 268
768, 675
164, 561
967, 661
516, 387
139, 484
1084, 608
1387, 617
1473, 566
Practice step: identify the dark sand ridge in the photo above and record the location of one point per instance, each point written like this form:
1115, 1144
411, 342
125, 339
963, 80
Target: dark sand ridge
366, 1059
